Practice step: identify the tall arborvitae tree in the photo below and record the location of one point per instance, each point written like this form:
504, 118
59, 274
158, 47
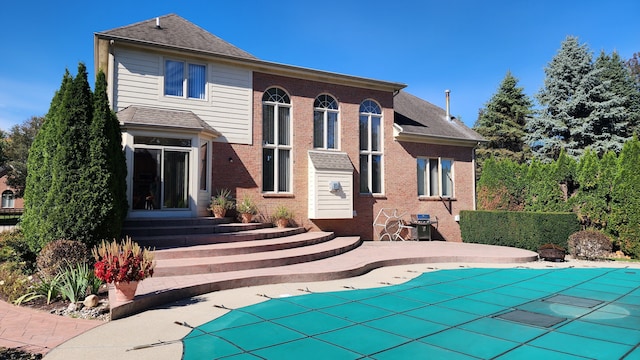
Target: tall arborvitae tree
544, 192
625, 206
75, 183
70, 188
34, 221
502, 123
107, 167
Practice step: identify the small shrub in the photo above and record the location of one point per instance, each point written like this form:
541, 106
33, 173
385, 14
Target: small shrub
14, 248
57, 254
13, 282
589, 245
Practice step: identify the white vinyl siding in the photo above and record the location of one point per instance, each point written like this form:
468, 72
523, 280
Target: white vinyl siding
227, 106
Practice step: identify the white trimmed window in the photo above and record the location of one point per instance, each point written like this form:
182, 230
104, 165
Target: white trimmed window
370, 148
8, 199
435, 177
325, 123
184, 79
276, 141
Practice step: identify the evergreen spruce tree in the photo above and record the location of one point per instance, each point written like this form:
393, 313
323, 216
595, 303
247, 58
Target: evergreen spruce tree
584, 104
625, 206
618, 111
502, 123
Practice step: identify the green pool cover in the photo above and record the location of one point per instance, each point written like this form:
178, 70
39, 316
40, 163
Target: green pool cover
448, 314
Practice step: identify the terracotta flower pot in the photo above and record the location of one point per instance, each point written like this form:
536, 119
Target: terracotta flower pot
282, 223
246, 217
219, 212
125, 291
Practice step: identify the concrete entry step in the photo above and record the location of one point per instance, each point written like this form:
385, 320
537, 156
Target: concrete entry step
246, 242
256, 260
229, 233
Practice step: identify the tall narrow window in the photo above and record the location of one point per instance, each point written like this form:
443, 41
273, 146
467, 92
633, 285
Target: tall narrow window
370, 147
435, 177
178, 82
325, 123
276, 141
204, 165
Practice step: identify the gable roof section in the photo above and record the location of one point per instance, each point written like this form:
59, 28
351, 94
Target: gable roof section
325, 160
141, 116
417, 120
177, 33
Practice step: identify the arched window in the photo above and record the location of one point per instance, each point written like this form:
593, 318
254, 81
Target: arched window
8, 199
325, 123
370, 147
276, 141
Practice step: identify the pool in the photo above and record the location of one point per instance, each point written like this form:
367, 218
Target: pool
477, 313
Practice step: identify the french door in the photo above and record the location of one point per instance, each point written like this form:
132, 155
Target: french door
160, 178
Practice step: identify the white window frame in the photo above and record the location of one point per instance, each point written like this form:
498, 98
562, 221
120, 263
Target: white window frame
369, 152
185, 80
276, 146
8, 199
425, 190
325, 111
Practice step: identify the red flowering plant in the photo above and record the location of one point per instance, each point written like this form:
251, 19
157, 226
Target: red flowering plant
122, 262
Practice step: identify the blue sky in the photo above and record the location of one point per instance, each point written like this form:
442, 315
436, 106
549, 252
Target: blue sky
462, 45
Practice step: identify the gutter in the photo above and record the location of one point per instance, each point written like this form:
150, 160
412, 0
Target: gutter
399, 134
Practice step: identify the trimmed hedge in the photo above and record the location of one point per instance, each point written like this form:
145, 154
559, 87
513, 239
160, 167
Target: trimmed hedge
525, 230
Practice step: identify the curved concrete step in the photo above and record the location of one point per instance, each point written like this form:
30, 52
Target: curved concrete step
246, 243
224, 234
218, 264
156, 291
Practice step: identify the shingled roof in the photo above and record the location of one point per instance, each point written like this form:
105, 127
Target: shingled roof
165, 118
175, 32
417, 118
330, 160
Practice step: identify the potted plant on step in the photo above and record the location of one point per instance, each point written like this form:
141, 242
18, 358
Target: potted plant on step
282, 215
124, 264
221, 202
247, 208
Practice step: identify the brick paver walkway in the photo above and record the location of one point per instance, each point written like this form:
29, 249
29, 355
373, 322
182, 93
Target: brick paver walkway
37, 331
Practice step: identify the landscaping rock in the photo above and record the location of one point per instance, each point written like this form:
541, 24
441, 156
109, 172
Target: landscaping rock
91, 301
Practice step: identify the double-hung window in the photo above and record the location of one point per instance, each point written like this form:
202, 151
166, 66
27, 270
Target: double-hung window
325, 123
276, 141
182, 78
370, 147
435, 177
